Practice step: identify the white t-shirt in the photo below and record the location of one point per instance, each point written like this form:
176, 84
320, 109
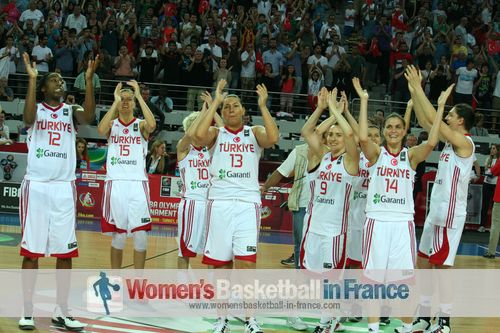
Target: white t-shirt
335, 56
216, 50
325, 34
286, 169
78, 23
41, 53
496, 92
349, 13
35, 15
465, 82
313, 60
14, 53
248, 70
489, 178
6, 133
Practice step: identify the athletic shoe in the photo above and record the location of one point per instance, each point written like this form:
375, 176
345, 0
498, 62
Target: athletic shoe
384, 321
289, 261
296, 323
337, 327
221, 326
488, 255
66, 322
27, 324
322, 329
420, 325
252, 326
440, 327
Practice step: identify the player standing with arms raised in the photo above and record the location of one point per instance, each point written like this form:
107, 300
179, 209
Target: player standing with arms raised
389, 231
48, 195
446, 220
234, 198
332, 168
126, 191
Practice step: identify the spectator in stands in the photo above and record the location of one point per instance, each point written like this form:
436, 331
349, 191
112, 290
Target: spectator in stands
147, 64
495, 215
162, 101
439, 80
110, 36
276, 59
314, 85
4, 130
124, 64
190, 30
76, 20
159, 116
333, 53
478, 129
82, 156
198, 70
41, 54
157, 161
6, 93
426, 77
483, 87
11, 51
31, 14
287, 89
13, 13
379, 118
213, 50
79, 84
489, 185
465, 77
170, 63
269, 80
349, 19
342, 76
233, 54
222, 73
357, 63
328, 30
106, 63
248, 73
317, 60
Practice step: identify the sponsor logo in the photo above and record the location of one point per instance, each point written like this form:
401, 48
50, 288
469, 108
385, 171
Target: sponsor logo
377, 198
230, 174
265, 212
53, 115
40, 152
86, 200
252, 248
327, 201
117, 160
146, 220
195, 185
72, 245
394, 161
327, 265
359, 195
125, 131
236, 139
328, 167
201, 156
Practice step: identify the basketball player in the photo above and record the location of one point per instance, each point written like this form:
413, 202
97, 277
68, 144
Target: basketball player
234, 198
444, 225
389, 231
332, 168
126, 191
47, 204
193, 164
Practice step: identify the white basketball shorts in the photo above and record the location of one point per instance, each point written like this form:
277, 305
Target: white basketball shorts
47, 211
191, 222
125, 206
440, 244
232, 231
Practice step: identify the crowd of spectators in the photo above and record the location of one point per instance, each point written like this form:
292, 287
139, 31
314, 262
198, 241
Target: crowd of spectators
293, 46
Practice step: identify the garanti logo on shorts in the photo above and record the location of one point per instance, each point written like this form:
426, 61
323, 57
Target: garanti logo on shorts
231, 174
195, 185
359, 195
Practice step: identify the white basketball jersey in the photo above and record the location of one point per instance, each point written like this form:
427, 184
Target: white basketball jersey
359, 192
194, 173
235, 166
390, 194
51, 144
330, 192
449, 192
127, 150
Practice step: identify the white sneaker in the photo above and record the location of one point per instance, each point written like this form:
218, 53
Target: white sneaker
27, 324
296, 323
420, 325
336, 326
69, 323
221, 326
252, 326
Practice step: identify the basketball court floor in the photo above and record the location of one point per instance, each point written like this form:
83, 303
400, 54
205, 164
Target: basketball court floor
162, 253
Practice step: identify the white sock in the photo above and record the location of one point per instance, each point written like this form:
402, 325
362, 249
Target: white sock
325, 320
407, 328
373, 327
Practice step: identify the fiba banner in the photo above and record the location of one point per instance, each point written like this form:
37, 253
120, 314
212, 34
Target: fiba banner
89, 189
164, 198
13, 166
9, 194
273, 213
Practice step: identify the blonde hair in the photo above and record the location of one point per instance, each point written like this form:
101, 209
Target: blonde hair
152, 152
189, 120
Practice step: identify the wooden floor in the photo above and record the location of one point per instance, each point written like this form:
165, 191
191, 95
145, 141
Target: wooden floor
94, 253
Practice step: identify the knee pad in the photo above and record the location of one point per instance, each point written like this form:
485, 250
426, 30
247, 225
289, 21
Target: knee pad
118, 241
140, 241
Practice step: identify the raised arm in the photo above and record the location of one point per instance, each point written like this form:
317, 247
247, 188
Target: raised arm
462, 145
351, 148
148, 125
267, 135
29, 114
348, 116
87, 116
104, 126
312, 134
409, 108
422, 151
369, 148
204, 133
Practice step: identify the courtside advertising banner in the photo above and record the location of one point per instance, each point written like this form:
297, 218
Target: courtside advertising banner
169, 293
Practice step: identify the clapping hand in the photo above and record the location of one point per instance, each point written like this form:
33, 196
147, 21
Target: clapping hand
263, 95
362, 93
